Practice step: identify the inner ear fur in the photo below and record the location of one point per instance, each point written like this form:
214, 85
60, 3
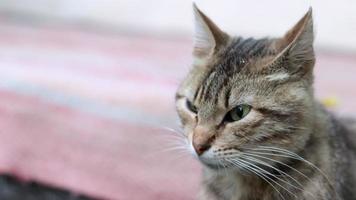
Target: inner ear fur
296, 52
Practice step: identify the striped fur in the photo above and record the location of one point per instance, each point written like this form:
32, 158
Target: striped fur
274, 77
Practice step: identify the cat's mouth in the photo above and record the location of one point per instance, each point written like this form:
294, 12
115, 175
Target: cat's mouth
211, 161
218, 164
214, 166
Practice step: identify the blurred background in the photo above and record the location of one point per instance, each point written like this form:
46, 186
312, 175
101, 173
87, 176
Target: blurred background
87, 89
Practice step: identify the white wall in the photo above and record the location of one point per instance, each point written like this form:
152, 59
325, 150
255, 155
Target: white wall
335, 20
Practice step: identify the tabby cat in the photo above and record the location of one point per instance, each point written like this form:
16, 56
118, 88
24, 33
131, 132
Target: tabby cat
248, 111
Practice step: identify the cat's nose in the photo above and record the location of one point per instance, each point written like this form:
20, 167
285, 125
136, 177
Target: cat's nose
202, 139
201, 148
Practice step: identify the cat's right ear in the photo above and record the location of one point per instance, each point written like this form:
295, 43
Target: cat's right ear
208, 37
296, 48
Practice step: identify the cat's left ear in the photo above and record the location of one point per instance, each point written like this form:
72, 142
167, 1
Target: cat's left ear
296, 47
208, 37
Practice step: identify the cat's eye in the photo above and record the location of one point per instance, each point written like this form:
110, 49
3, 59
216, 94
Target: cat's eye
191, 107
237, 113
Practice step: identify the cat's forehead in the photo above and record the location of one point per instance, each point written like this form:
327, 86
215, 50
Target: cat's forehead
235, 60
240, 58
228, 75
240, 53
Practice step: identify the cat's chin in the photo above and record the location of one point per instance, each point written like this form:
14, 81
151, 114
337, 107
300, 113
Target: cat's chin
210, 162
215, 165
221, 168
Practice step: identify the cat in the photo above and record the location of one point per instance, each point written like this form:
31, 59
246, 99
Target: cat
248, 112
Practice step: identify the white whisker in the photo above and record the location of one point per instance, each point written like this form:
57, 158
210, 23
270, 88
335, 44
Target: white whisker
296, 156
172, 130
279, 171
258, 173
289, 154
266, 172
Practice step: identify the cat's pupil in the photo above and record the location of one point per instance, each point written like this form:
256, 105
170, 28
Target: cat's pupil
239, 111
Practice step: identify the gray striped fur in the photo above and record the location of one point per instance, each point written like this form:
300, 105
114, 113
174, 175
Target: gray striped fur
275, 77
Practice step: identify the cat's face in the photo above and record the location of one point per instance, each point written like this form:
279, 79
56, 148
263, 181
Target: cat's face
245, 94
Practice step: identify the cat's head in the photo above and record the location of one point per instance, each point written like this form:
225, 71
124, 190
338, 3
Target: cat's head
243, 94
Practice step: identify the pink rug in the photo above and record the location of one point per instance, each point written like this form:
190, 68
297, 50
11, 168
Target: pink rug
87, 111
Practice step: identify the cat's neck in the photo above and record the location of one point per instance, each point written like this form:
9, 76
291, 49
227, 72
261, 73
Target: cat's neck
233, 183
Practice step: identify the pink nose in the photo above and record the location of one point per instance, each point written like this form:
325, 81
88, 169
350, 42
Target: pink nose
201, 148
202, 139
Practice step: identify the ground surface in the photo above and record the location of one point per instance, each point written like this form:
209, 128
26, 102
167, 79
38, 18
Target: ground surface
87, 112
12, 189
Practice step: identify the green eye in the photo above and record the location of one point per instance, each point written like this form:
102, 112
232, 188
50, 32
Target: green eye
237, 113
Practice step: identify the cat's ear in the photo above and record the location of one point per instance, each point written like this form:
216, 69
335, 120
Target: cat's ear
296, 47
207, 37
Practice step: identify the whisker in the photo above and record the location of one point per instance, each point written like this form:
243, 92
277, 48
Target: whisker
266, 172
280, 171
279, 162
296, 156
172, 143
259, 174
288, 154
175, 148
172, 130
